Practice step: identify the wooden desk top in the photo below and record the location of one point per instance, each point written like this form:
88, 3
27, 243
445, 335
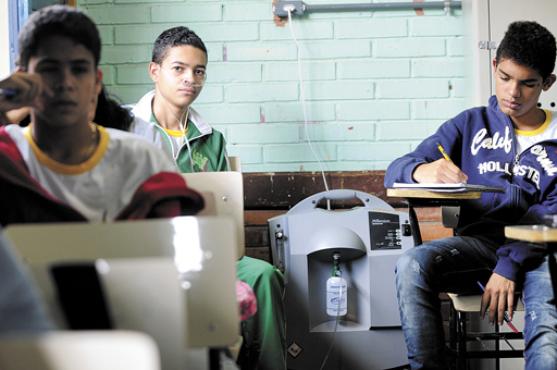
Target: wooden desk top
532, 233
428, 194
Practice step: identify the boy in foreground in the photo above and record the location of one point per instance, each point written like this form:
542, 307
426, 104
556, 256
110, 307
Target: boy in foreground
63, 167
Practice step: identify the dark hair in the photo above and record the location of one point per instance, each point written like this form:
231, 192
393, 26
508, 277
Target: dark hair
529, 44
176, 36
110, 112
58, 20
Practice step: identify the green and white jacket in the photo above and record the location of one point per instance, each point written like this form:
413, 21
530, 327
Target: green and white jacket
207, 145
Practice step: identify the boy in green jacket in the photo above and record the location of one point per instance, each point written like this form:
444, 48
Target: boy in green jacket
165, 117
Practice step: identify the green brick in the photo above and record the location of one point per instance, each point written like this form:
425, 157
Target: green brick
211, 94
229, 113
260, 51
293, 112
186, 13
249, 154
233, 72
129, 74
107, 34
437, 26
142, 34
373, 110
276, 91
119, 14
262, 134
337, 131
149, 1
209, 32
438, 67
437, 109
407, 130
227, 31
381, 68
84, 2
129, 94
375, 151
461, 87
457, 46
215, 51
108, 74
335, 49
247, 11
370, 28
299, 152
339, 90
408, 47
413, 88
126, 54
288, 71
303, 31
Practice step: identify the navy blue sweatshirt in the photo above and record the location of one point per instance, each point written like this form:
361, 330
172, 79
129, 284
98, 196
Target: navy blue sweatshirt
481, 141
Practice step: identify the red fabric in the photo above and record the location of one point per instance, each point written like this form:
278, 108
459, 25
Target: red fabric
164, 194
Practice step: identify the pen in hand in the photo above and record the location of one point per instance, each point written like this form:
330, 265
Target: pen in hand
505, 316
443, 152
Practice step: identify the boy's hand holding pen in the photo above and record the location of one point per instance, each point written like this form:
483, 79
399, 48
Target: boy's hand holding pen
441, 171
506, 317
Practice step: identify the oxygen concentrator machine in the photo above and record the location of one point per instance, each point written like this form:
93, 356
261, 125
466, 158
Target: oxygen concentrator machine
340, 281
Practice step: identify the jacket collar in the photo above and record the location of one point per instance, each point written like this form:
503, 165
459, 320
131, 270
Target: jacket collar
143, 109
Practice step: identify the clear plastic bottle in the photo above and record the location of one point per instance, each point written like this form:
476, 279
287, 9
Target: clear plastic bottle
337, 302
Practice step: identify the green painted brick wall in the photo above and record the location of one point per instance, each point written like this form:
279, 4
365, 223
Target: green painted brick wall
375, 83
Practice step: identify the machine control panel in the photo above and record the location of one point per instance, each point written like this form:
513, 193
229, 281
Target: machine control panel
385, 231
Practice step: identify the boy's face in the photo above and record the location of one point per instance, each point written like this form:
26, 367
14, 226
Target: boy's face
518, 87
69, 71
181, 75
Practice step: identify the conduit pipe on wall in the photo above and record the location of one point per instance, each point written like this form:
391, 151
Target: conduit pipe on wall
299, 8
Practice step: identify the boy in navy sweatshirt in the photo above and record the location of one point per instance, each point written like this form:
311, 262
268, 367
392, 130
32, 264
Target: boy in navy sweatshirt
511, 144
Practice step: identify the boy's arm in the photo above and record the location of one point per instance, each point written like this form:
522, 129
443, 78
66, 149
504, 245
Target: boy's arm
515, 257
222, 156
426, 163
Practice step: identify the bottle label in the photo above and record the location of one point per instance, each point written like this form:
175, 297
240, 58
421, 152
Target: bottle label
336, 296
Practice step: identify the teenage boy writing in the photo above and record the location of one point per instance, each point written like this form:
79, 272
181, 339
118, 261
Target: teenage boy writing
512, 144
178, 69
63, 167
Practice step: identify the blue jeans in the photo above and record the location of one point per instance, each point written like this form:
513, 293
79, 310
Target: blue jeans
454, 265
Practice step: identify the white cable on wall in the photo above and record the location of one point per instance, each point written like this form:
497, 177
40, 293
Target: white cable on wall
303, 98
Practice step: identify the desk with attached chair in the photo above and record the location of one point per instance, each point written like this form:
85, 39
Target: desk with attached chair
180, 272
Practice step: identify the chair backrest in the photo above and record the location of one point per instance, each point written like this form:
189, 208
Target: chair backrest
235, 163
203, 250
90, 350
223, 193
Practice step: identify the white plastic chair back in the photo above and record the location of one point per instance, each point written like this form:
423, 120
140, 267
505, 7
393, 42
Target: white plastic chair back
83, 350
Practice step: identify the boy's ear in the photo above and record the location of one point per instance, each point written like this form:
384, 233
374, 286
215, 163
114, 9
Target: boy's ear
98, 81
494, 64
154, 71
548, 82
